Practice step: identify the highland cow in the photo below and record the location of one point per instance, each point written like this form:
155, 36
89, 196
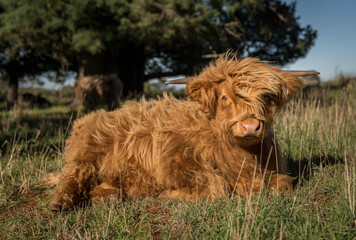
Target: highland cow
219, 142
97, 90
35, 101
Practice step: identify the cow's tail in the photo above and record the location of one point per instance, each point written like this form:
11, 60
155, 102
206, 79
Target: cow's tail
50, 179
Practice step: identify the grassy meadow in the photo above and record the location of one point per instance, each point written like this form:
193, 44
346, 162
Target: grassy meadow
316, 132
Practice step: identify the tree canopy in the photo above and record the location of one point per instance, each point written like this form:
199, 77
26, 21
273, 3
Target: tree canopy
140, 39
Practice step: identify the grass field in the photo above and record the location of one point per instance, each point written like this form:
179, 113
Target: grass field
317, 134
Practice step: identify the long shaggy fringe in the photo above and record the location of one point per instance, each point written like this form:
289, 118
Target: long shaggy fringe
254, 82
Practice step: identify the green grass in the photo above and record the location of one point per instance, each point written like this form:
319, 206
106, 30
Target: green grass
317, 134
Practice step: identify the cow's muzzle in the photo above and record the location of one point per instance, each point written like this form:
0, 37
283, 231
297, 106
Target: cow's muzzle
249, 128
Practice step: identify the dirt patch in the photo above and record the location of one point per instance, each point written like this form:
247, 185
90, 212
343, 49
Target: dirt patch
23, 205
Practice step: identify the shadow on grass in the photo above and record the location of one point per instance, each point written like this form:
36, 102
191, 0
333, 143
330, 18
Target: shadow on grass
35, 130
304, 168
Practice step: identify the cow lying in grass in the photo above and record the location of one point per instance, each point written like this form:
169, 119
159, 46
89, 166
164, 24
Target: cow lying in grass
217, 143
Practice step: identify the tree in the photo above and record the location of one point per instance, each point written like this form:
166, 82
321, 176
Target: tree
18, 59
18, 65
267, 29
140, 39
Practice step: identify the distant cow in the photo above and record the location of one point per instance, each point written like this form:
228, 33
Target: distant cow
217, 143
98, 90
35, 101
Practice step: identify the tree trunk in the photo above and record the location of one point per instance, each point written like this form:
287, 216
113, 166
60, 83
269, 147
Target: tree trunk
128, 63
100, 64
132, 70
11, 97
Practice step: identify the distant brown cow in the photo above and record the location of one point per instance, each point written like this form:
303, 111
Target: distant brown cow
217, 143
98, 90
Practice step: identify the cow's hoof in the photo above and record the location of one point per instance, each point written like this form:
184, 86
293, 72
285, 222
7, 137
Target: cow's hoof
175, 195
163, 195
56, 207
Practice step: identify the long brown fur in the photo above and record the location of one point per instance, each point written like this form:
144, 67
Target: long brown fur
182, 149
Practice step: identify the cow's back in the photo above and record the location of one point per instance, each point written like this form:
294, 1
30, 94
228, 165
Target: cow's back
131, 142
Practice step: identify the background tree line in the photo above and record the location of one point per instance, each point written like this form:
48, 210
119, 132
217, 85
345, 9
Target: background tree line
142, 39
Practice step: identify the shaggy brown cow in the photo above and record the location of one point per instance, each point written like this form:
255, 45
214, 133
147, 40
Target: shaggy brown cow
99, 90
218, 142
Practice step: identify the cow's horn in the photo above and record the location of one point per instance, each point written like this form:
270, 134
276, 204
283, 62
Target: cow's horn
301, 73
180, 81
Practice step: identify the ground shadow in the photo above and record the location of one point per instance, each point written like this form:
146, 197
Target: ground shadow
35, 129
303, 169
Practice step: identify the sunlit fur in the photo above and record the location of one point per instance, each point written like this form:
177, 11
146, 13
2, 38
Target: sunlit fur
181, 149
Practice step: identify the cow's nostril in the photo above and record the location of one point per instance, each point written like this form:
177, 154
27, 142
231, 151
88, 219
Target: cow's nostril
250, 127
258, 127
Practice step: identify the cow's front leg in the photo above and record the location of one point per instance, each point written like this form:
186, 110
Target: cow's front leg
186, 179
209, 186
104, 192
281, 183
191, 194
180, 194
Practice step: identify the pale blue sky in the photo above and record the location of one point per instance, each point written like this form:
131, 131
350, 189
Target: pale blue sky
334, 51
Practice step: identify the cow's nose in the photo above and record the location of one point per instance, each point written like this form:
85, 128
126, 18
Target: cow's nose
250, 127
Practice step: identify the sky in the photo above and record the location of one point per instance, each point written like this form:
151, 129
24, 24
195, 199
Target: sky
334, 51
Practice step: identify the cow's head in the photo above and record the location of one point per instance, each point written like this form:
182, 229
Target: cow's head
243, 95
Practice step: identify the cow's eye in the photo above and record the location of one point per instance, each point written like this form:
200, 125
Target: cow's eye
268, 98
224, 98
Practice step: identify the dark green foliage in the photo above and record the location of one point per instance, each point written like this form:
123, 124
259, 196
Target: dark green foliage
141, 39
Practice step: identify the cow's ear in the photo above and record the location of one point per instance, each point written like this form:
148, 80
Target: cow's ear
289, 87
203, 92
